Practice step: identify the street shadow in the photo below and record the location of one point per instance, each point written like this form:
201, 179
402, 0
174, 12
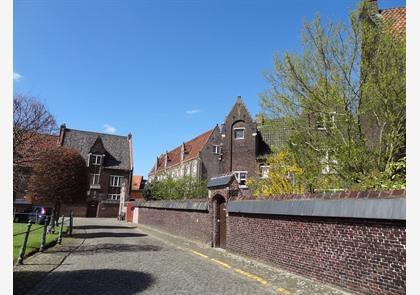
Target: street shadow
93, 235
102, 227
111, 248
90, 281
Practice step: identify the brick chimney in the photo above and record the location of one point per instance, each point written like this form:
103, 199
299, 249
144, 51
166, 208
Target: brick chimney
61, 135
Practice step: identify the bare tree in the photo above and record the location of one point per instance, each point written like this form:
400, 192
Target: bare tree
31, 121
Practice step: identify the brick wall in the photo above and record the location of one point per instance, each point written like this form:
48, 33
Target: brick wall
362, 255
108, 209
79, 210
195, 225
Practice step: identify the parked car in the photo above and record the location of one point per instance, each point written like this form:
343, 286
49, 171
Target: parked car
22, 215
36, 214
39, 214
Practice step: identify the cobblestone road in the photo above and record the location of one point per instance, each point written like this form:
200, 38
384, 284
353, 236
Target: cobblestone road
116, 258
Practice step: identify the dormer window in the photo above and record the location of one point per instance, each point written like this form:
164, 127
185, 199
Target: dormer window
239, 133
95, 159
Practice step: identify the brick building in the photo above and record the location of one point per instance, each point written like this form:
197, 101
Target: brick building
109, 160
238, 146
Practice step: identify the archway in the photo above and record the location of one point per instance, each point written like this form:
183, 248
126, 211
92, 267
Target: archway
219, 221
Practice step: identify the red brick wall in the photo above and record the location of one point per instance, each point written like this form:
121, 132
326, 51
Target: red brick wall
79, 210
363, 255
194, 225
108, 210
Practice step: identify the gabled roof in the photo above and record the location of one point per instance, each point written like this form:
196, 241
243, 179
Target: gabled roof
397, 19
239, 107
118, 155
192, 150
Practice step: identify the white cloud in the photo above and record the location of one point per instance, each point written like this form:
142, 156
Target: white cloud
192, 112
17, 77
109, 129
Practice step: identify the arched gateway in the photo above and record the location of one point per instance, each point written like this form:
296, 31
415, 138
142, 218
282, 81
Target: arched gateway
221, 190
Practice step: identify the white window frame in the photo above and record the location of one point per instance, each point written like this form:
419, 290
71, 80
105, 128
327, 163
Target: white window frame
115, 197
236, 129
96, 157
265, 170
239, 178
217, 149
94, 176
115, 180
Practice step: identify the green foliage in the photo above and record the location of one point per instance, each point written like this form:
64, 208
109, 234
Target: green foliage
186, 187
344, 100
283, 177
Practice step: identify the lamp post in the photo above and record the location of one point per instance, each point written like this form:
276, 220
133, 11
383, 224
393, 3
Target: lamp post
122, 200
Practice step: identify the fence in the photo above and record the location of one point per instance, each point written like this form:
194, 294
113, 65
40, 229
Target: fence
48, 226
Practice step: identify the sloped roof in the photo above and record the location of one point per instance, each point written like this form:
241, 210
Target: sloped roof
397, 19
117, 147
274, 133
192, 150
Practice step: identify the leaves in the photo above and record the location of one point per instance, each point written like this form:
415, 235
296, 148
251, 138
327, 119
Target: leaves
186, 187
59, 175
343, 95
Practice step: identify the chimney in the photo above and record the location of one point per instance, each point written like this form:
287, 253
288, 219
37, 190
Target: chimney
61, 135
129, 135
166, 159
182, 151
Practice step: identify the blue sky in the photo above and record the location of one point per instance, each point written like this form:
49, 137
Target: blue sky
166, 70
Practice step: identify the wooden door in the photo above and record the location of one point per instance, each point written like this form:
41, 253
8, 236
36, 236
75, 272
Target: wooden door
222, 225
92, 209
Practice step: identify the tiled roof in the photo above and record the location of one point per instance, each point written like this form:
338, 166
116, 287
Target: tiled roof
397, 19
136, 182
117, 147
35, 144
274, 133
192, 149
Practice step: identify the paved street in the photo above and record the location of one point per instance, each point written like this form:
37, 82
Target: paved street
115, 258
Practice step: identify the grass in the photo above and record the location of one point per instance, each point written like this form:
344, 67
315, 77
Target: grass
34, 240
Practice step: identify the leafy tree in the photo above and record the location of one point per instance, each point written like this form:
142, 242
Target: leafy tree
31, 120
283, 177
59, 176
346, 88
186, 187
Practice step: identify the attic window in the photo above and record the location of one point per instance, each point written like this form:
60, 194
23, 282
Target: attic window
239, 133
95, 159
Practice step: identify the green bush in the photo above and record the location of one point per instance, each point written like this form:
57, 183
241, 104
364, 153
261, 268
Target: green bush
186, 187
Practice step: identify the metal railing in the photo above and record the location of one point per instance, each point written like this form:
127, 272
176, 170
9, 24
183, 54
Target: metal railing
47, 228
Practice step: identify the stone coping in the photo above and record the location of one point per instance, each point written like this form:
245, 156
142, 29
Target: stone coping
391, 209
176, 205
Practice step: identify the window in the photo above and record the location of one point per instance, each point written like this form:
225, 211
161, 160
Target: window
264, 171
94, 178
115, 180
239, 133
328, 163
95, 159
115, 197
217, 149
324, 121
241, 177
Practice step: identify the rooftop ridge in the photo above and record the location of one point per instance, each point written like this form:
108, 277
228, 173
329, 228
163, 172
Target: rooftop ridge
94, 132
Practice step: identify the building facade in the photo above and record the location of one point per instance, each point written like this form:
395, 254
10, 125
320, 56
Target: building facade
235, 147
109, 160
